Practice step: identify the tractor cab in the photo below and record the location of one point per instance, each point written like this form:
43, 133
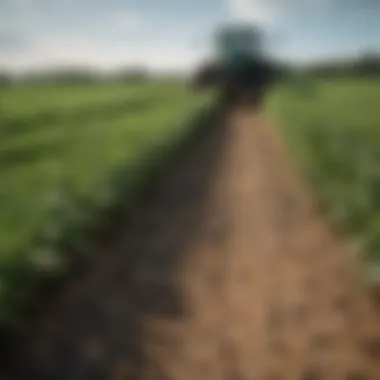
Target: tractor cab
239, 66
237, 43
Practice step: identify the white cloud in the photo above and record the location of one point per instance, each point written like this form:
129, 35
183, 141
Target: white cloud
268, 11
129, 21
249, 10
124, 38
81, 52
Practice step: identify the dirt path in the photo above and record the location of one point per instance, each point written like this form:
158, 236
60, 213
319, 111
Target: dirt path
227, 274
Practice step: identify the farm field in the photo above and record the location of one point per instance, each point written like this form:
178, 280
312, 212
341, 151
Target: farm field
226, 250
332, 127
68, 154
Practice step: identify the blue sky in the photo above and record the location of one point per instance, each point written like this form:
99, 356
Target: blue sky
175, 34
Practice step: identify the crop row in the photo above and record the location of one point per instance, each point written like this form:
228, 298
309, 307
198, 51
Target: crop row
64, 179
332, 128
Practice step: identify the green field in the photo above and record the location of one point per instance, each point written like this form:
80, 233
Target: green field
333, 130
69, 154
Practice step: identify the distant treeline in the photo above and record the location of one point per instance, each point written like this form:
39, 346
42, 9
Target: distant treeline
74, 75
366, 65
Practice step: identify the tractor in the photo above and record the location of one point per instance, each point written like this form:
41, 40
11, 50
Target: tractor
239, 70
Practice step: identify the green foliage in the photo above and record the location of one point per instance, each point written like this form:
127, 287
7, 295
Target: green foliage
70, 157
335, 138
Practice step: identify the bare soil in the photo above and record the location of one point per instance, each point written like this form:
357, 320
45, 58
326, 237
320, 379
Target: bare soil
228, 273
